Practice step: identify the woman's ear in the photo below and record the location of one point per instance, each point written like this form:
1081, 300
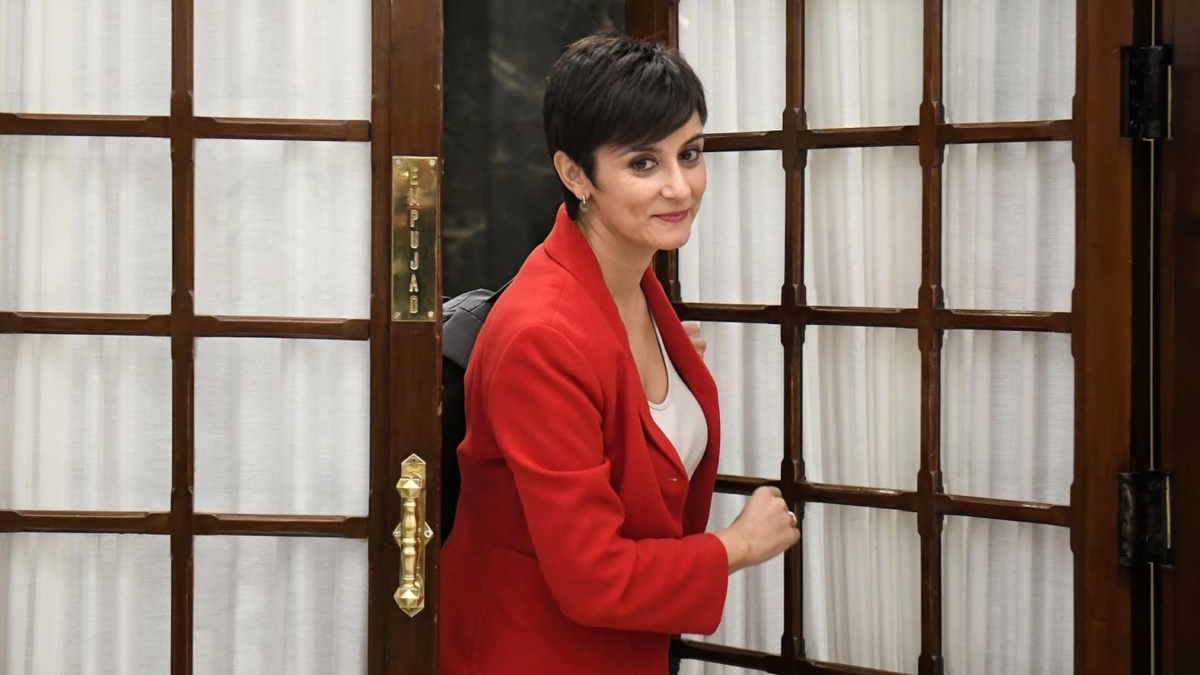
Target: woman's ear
573, 176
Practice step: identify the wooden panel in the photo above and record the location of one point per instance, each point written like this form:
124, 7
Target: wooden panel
1179, 363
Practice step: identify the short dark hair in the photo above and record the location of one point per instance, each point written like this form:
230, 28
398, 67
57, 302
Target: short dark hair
610, 89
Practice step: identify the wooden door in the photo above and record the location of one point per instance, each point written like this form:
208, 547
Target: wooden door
920, 511
206, 398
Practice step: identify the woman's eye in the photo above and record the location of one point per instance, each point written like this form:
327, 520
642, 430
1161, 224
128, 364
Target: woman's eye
642, 164
691, 155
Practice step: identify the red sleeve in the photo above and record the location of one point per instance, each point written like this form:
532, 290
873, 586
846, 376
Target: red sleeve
544, 404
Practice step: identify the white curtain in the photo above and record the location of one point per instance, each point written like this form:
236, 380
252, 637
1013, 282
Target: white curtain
1008, 240
281, 426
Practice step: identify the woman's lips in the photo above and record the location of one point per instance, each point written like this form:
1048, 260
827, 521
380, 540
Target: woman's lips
674, 217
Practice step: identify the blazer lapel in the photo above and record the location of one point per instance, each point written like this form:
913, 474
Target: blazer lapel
568, 247
691, 368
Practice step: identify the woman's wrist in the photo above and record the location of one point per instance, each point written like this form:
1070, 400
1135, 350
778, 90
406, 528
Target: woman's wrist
737, 549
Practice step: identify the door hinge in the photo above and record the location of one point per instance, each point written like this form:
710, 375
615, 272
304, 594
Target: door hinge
1146, 92
1145, 515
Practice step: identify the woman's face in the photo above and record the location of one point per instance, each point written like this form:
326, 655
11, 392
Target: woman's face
648, 195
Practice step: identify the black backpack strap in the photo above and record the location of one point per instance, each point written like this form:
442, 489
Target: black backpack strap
462, 317
465, 314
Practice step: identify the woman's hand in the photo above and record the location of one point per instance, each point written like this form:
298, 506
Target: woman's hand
764, 529
693, 331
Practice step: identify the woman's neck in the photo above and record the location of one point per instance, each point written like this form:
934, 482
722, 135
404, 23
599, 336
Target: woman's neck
622, 266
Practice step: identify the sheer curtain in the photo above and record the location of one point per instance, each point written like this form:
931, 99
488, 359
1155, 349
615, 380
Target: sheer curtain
1007, 397
281, 426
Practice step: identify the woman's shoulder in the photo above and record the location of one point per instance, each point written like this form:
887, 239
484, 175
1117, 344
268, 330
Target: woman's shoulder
545, 303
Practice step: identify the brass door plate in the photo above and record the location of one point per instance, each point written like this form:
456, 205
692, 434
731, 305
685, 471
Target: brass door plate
415, 250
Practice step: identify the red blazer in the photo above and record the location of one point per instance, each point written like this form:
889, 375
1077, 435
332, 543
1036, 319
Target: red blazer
578, 545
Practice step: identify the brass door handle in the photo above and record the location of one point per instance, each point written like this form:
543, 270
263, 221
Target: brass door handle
412, 534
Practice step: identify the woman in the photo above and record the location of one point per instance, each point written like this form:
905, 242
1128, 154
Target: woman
591, 450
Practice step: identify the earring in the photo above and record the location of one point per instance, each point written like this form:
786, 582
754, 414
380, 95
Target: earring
583, 204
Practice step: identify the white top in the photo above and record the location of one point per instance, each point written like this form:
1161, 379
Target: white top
680, 416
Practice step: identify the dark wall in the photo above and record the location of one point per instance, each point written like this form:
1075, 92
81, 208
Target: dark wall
500, 193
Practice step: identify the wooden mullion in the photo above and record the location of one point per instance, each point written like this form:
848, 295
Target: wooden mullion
906, 500
106, 522
153, 325
894, 136
866, 137
349, 527
282, 327
728, 656
865, 497
1046, 322
792, 327
29, 124
1001, 509
283, 129
379, 576
699, 311
182, 334
930, 300
825, 493
763, 662
359, 329
268, 128
878, 317
873, 317
1006, 132
822, 668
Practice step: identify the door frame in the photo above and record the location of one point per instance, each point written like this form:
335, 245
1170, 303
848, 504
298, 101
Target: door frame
406, 408
1178, 249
